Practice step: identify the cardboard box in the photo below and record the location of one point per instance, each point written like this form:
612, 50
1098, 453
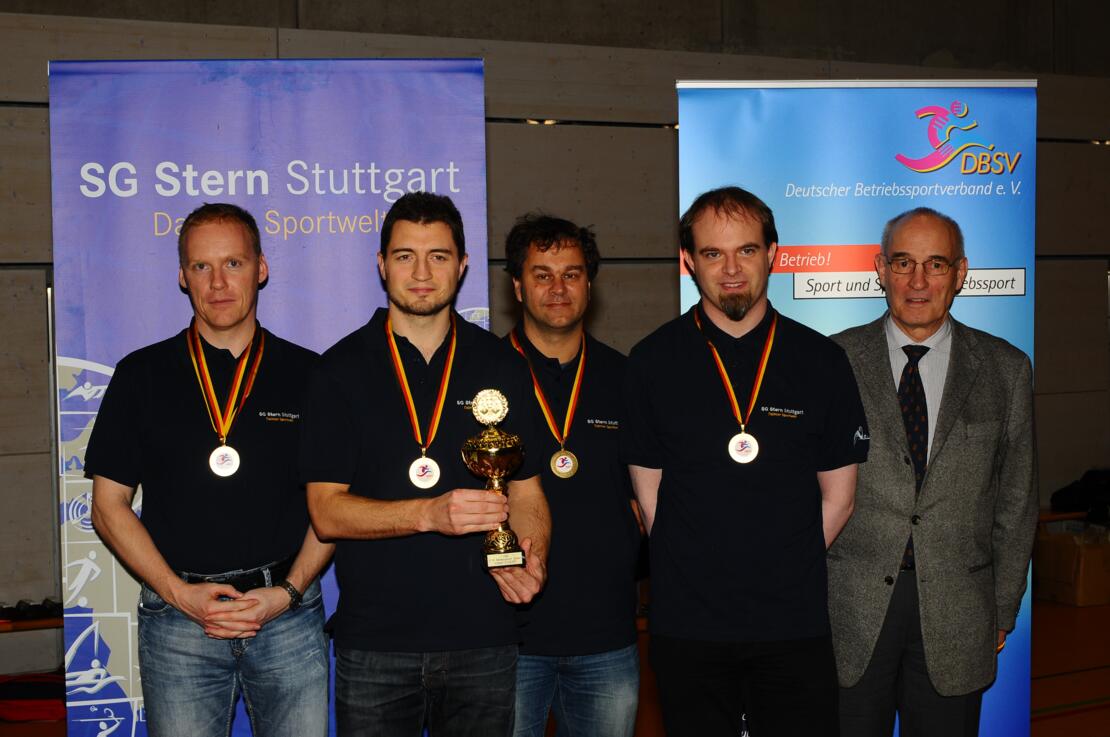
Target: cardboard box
1071, 563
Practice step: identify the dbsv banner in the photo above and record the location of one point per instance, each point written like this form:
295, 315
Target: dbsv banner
835, 161
317, 151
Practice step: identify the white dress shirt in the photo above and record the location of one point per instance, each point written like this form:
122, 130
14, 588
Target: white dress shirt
933, 365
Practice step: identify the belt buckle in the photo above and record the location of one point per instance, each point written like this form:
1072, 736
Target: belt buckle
255, 578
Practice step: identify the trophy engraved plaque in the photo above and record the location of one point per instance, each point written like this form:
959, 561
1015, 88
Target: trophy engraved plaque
494, 455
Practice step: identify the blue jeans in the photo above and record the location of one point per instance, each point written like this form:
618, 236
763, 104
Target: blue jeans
460, 692
191, 681
593, 695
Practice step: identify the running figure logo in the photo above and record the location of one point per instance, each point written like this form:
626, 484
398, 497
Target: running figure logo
941, 128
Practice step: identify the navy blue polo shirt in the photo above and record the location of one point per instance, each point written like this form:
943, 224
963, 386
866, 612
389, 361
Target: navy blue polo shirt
737, 550
589, 603
153, 430
426, 591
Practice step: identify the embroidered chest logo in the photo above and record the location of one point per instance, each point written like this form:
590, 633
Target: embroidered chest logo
790, 414
272, 416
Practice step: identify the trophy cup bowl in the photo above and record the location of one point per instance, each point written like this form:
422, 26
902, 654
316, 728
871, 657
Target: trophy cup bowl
494, 455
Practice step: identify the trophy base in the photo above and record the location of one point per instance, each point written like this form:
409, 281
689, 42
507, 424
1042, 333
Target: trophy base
501, 548
505, 560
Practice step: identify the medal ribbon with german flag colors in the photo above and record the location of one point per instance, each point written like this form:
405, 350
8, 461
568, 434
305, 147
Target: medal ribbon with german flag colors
763, 359
403, 381
572, 405
222, 420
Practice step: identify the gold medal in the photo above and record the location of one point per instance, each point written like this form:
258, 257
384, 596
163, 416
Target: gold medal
564, 464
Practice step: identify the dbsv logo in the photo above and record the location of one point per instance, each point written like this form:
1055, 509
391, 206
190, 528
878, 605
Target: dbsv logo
949, 139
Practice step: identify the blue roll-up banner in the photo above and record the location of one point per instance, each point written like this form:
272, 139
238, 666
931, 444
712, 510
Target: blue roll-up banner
835, 161
317, 151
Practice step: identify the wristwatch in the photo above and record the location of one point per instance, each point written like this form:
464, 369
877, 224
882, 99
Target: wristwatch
295, 597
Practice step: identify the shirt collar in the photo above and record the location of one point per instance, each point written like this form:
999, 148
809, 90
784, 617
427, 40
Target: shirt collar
376, 331
212, 353
940, 341
723, 340
539, 360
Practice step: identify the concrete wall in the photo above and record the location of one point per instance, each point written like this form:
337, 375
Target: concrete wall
1059, 36
616, 169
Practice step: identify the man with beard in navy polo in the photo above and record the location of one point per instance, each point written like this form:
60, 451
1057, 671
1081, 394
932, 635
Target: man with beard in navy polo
743, 435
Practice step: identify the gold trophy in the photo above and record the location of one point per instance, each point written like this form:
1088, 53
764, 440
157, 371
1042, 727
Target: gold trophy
494, 455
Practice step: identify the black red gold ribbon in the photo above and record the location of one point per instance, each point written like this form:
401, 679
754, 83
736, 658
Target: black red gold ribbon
572, 405
223, 419
763, 359
402, 380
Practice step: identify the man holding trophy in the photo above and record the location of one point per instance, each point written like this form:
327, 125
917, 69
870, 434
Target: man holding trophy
424, 633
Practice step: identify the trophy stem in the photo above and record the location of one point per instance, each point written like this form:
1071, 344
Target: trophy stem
494, 455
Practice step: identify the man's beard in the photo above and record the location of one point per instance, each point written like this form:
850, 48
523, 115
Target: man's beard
735, 306
422, 309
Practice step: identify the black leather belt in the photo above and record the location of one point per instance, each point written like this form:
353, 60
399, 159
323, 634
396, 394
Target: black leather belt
246, 580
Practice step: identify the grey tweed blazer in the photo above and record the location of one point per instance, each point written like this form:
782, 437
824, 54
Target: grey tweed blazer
975, 515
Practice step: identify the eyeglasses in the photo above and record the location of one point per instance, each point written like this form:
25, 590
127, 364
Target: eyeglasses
932, 266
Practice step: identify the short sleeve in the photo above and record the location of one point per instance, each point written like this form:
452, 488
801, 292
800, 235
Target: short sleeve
845, 437
117, 430
329, 440
639, 441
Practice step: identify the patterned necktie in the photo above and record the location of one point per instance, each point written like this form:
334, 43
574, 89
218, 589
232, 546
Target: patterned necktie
915, 416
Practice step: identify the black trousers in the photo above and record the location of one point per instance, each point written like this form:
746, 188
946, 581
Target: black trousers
786, 688
896, 680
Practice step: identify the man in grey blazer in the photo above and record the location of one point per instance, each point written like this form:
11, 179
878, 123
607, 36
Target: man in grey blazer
927, 577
